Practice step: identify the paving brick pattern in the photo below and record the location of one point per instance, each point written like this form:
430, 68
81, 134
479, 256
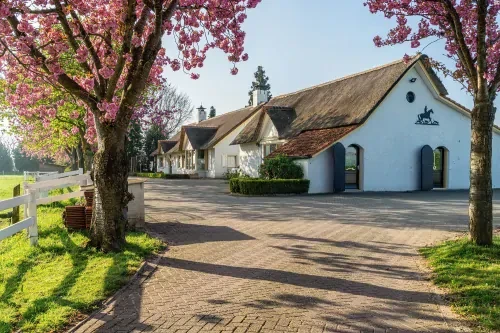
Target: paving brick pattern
337, 263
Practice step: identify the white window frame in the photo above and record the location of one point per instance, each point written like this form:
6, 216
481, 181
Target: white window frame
269, 144
234, 161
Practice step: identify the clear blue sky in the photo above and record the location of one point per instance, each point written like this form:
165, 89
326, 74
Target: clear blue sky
300, 44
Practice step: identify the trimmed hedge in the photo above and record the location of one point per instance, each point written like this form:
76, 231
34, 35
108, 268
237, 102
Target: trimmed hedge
158, 175
234, 185
250, 186
148, 175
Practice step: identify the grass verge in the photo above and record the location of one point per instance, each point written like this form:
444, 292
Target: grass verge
471, 275
44, 288
7, 183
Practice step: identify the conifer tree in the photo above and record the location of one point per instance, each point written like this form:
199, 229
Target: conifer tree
261, 82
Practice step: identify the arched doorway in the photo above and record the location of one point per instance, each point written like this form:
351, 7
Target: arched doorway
352, 167
439, 167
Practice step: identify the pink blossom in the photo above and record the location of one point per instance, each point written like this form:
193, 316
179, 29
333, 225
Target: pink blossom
106, 72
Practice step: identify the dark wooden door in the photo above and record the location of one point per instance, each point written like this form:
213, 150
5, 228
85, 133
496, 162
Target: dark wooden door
426, 168
338, 167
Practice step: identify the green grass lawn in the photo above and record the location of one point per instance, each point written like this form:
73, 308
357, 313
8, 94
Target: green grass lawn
7, 183
471, 275
44, 288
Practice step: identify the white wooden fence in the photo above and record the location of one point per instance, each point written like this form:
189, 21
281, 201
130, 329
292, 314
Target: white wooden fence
33, 175
31, 199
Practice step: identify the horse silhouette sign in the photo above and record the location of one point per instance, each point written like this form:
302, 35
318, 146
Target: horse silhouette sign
426, 118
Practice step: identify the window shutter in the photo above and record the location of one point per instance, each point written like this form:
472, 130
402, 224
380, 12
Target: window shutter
224, 161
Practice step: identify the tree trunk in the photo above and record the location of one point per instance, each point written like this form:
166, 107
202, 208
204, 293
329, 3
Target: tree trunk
79, 154
481, 192
74, 159
87, 156
111, 191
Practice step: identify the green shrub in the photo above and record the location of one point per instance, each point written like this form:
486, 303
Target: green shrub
149, 174
158, 175
175, 176
234, 185
231, 174
250, 186
280, 167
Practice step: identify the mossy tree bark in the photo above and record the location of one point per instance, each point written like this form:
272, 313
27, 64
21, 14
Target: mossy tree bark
110, 171
481, 191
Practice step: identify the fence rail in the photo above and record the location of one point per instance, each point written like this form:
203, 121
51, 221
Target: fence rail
32, 198
35, 174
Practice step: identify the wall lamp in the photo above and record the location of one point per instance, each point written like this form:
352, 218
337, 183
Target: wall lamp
413, 80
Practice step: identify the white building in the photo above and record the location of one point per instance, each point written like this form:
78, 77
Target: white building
390, 128
203, 149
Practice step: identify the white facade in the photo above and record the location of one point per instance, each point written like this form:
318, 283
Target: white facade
390, 143
252, 154
220, 159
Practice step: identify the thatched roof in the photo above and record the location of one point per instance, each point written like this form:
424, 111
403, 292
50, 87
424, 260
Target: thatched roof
282, 117
207, 133
198, 136
343, 102
251, 131
166, 145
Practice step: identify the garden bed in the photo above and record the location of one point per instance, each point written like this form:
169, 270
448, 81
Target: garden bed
471, 275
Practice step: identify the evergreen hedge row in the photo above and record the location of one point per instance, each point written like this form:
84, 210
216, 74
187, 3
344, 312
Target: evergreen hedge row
249, 186
158, 175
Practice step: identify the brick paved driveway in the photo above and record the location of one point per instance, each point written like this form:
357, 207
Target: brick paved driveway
335, 263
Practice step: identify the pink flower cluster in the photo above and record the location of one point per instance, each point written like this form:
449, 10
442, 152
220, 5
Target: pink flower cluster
434, 22
39, 46
89, 55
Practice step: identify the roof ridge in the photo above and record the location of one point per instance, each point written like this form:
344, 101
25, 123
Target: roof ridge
223, 114
346, 77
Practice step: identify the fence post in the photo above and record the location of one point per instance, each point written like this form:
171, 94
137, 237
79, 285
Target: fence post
33, 230
15, 210
25, 191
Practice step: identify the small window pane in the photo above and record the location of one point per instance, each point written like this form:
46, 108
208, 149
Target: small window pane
231, 162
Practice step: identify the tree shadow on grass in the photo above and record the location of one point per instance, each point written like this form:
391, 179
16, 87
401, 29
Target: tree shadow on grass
79, 262
58, 297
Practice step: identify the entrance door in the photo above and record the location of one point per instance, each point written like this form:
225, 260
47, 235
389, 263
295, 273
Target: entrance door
352, 167
338, 167
426, 168
438, 174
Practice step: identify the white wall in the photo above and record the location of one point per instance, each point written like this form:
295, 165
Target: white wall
319, 171
223, 148
268, 133
250, 159
391, 142
251, 153
211, 163
163, 169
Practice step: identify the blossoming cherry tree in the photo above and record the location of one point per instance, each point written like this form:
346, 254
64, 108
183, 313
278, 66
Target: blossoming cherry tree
105, 54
